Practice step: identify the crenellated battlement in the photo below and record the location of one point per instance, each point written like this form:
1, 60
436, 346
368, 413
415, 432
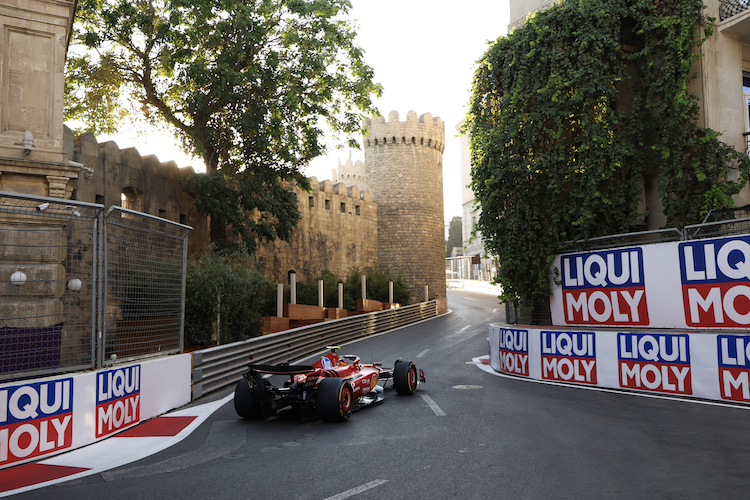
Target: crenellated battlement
425, 131
344, 194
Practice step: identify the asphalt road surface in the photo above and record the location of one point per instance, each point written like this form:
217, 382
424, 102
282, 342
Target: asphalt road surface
465, 434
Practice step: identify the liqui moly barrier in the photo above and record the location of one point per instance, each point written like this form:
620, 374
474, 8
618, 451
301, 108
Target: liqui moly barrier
57, 414
701, 284
713, 366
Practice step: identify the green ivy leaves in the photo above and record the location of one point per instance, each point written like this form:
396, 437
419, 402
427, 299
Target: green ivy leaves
572, 112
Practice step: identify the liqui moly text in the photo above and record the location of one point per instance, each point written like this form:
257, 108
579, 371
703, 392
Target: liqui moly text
118, 398
716, 282
35, 419
604, 288
514, 351
654, 362
569, 357
734, 367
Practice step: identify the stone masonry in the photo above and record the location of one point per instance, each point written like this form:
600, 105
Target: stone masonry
404, 170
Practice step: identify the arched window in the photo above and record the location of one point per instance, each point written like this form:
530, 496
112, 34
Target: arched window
129, 199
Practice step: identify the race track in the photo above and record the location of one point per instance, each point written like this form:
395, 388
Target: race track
466, 434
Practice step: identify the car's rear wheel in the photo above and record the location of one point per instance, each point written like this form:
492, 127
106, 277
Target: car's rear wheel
247, 404
405, 377
335, 399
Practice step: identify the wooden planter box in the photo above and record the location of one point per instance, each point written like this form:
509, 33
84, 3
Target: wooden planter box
272, 324
304, 312
369, 305
335, 313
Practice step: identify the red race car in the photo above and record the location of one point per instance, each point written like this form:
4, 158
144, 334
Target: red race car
331, 388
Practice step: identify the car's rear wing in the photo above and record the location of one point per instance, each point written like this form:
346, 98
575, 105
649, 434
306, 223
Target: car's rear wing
282, 369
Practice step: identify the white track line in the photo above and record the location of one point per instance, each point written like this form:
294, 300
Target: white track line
422, 353
358, 490
433, 405
465, 328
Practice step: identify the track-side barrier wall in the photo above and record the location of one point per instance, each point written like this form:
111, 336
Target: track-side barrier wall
222, 366
713, 366
51, 415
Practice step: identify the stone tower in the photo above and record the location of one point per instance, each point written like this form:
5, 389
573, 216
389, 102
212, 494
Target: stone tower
404, 171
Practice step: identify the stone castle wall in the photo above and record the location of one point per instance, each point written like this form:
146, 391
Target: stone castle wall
338, 231
150, 186
404, 169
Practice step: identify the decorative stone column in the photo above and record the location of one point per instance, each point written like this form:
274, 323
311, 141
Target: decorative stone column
33, 45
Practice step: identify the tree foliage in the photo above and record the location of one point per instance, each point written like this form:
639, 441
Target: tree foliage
571, 112
455, 238
377, 288
225, 293
248, 85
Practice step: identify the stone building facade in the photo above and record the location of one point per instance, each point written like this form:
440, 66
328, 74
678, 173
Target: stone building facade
404, 169
33, 47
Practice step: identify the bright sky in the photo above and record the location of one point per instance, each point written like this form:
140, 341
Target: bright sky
423, 53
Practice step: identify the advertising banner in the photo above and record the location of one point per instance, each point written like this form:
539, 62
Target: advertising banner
683, 363
55, 414
702, 284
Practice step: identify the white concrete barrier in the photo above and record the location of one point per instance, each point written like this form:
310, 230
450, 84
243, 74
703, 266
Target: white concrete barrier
47, 416
714, 366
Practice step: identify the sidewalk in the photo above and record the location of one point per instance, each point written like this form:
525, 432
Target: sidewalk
143, 440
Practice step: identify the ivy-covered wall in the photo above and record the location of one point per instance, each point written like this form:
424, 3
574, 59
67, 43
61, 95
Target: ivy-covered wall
578, 113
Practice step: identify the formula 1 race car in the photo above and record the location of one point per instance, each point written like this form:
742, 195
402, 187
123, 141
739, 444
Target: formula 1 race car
331, 388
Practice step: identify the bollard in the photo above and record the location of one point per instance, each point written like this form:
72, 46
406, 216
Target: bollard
426, 293
293, 291
341, 295
280, 300
320, 293
390, 292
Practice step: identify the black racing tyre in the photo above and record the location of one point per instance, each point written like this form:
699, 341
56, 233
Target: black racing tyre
405, 377
334, 399
248, 406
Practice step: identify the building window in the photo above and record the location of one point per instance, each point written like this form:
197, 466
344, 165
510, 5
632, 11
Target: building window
162, 214
343, 208
183, 219
356, 209
311, 202
99, 199
328, 204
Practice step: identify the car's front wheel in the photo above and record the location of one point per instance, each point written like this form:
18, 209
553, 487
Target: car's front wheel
405, 377
335, 400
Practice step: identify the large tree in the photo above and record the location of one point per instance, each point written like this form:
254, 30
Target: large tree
454, 235
248, 85
570, 113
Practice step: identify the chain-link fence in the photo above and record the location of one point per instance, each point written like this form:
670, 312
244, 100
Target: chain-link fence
145, 260
47, 276
53, 274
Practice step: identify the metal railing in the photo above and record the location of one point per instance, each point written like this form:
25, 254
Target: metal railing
222, 366
470, 268
730, 8
80, 289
